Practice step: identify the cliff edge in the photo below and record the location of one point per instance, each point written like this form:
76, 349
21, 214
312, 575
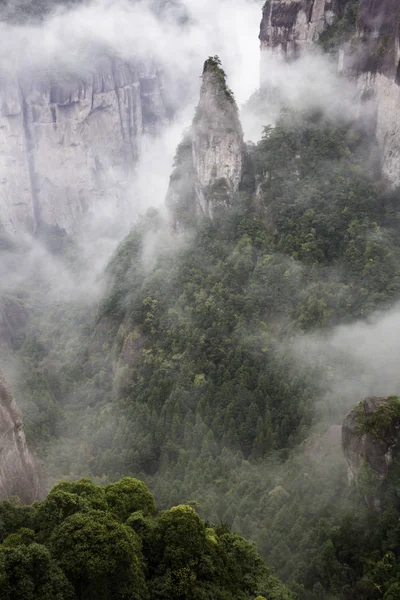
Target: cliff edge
19, 474
370, 434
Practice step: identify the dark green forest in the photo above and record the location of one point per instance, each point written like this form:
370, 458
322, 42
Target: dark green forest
86, 542
186, 375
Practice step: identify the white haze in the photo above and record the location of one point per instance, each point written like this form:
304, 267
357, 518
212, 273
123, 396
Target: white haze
67, 41
67, 44
312, 82
357, 360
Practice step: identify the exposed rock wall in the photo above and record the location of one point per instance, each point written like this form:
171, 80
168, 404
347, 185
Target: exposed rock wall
290, 26
384, 94
217, 140
68, 141
19, 474
378, 23
209, 161
370, 433
371, 58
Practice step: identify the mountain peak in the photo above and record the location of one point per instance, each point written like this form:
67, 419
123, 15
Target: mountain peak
215, 77
209, 161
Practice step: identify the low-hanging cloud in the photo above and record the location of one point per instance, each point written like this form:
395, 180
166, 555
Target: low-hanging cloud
355, 360
176, 37
179, 38
313, 82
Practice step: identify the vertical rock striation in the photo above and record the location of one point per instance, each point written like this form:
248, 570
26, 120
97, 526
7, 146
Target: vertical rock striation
209, 161
68, 141
18, 472
288, 27
371, 57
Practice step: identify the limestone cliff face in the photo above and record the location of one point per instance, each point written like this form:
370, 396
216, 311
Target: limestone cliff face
377, 37
290, 26
370, 434
209, 161
371, 57
385, 95
18, 472
66, 141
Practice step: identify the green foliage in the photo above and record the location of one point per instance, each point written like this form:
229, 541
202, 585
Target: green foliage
342, 29
13, 516
188, 380
28, 572
101, 557
24, 537
383, 419
90, 555
213, 65
128, 496
213, 388
66, 499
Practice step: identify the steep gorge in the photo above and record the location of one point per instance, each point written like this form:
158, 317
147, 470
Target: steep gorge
189, 374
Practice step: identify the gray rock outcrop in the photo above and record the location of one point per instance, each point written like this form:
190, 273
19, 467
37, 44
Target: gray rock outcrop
288, 27
371, 57
370, 434
70, 140
209, 161
19, 474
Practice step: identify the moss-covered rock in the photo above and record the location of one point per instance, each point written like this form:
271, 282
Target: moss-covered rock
370, 434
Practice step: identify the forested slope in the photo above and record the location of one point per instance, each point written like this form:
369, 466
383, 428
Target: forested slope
189, 377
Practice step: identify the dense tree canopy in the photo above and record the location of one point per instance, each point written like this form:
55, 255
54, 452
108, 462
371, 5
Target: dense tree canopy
98, 554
